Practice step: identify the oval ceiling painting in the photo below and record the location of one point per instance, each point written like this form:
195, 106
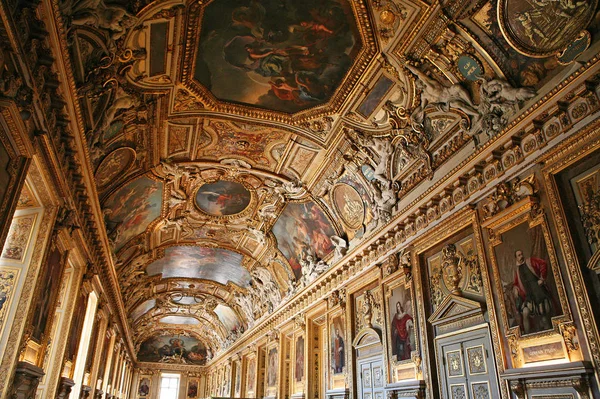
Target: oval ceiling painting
129, 211
303, 229
223, 198
216, 264
280, 55
115, 164
172, 349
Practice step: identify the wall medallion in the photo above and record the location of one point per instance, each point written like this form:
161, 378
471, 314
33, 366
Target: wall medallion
543, 28
348, 205
223, 198
113, 165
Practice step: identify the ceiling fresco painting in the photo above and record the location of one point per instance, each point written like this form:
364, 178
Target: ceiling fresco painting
114, 165
303, 230
253, 144
179, 320
173, 349
214, 264
129, 211
142, 309
223, 198
228, 317
222, 168
283, 56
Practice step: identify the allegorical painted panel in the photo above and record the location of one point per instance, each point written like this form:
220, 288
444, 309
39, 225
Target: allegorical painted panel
142, 309
114, 165
243, 140
251, 375
223, 198
19, 235
338, 345
348, 205
172, 349
376, 94
299, 359
543, 27
282, 56
303, 229
228, 317
272, 364
217, 264
402, 327
529, 287
129, 211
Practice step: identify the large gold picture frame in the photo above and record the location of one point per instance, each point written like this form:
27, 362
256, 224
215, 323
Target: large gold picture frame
399, 293
545, 342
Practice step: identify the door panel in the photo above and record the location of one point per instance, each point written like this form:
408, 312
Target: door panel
468, 371
372, 380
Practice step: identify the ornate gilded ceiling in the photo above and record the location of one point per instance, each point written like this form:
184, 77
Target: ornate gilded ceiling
242, 147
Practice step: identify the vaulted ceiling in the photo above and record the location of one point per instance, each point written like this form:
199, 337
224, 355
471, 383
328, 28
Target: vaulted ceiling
239, 146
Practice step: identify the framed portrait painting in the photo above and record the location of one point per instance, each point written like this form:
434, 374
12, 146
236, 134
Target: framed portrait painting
299, 359
144, 387
533, 302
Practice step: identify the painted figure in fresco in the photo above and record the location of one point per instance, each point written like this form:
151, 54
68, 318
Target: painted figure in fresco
338, 354
144, 388
533, 298
402, 325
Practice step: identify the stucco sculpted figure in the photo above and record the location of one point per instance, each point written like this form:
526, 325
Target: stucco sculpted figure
435, 94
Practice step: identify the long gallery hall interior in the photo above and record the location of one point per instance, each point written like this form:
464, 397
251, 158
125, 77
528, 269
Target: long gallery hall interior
299, 199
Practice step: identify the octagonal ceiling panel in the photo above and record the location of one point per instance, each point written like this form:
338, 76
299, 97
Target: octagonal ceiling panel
283, 56
216, 264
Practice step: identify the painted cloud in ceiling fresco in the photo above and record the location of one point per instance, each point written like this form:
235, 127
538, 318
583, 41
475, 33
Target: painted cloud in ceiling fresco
227, 317
217, 264
303, 228
179, 320
281, 55
129, 211
172, 349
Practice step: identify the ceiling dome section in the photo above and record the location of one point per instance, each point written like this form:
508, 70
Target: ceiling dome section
216, 264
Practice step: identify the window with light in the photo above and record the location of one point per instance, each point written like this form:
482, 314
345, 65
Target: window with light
169, 386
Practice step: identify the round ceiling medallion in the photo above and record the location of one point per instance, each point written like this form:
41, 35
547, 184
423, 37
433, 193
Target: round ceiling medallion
114, 165
349, 205
223, 198
543, 28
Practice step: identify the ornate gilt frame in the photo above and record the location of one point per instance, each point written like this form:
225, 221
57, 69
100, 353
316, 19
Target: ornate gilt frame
566, 154
461, 220
395, 366
526, 211
338, 381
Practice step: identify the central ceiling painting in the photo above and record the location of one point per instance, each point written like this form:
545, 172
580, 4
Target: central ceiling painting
216, 264
223, 198
284, 56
